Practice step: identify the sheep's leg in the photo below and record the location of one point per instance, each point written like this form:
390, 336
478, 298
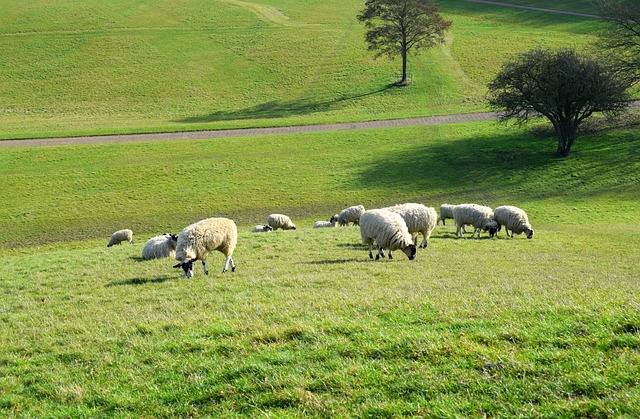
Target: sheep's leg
390, 255
459, 230
380, 252
204, 265
424, 243
228, 261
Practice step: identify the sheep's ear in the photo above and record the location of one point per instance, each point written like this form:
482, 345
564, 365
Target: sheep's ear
179, 265
193, 260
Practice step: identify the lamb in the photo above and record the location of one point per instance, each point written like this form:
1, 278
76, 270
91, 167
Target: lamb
120, 236
419, 219
326, 224
261, 229
479, 216
160, 247
349, 215
514, 219
388, 230
446, 211
282, 221
196, 241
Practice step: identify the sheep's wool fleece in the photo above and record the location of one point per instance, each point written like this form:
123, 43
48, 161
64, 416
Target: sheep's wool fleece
386, 228
446, 211
350, 215
513, 218
197, 240
419, 218
282, 221
120, 236
158, 247
476, 215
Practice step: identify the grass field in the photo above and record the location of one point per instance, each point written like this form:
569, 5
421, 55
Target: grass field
307, 325
82, 67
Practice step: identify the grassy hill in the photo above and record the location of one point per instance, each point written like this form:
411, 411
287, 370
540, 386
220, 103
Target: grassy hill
84, 67
307, 326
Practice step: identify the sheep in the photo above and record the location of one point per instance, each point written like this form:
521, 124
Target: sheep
282, 221
196, 241
326, 224
160, 247
514, 219
261, 229
388, 230
419, 219
349, 215
446, 211
480, 217
120, 236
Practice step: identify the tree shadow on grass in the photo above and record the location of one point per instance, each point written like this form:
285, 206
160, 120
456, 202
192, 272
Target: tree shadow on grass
140, 281
283, 109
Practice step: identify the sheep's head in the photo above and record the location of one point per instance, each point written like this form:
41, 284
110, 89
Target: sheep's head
187, 266
492, 227
267, 228
410, 251
529, 233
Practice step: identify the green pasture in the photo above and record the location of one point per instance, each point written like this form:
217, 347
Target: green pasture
307, 325
88, 67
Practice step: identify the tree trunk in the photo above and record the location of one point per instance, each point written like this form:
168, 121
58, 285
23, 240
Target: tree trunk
403, 82
566, 134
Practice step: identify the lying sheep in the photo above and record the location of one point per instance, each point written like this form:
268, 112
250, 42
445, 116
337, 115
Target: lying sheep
479, 216
120, 236
325, 224
349, 215
388, 230
282, 221
261, 229
446, 212
197, 240
514, 219
160, 247
419, 219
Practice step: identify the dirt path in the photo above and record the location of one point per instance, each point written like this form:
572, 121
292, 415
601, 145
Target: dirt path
242, 132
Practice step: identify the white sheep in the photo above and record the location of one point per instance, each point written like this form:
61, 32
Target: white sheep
282, 221
479, 216
388, 230
419, 219
514, 219
197, 240
261, 229
349, 215
325, 224
160, 247
120, 236
446, 212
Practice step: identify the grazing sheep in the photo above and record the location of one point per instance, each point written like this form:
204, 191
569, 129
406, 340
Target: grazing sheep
514, 219
120, 236
197, 240
160, 247
325, 224
388, 230
419, 219
261, 229
349, 215
282, 221
446, 211
479, 216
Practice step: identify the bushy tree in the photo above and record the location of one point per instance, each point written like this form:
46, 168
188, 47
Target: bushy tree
622, 37
394, 27
564, 86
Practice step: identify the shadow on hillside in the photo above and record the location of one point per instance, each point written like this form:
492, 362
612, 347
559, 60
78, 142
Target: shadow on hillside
334, 261
140, 281
283, 109
509, 163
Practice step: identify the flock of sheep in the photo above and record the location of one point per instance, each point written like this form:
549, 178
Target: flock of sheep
391, 228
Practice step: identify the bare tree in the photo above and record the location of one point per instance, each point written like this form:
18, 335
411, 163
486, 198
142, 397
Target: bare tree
622, 36
564, 86
397, 26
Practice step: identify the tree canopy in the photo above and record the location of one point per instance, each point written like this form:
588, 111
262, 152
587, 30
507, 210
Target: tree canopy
622, 37
564, 86
394, 27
